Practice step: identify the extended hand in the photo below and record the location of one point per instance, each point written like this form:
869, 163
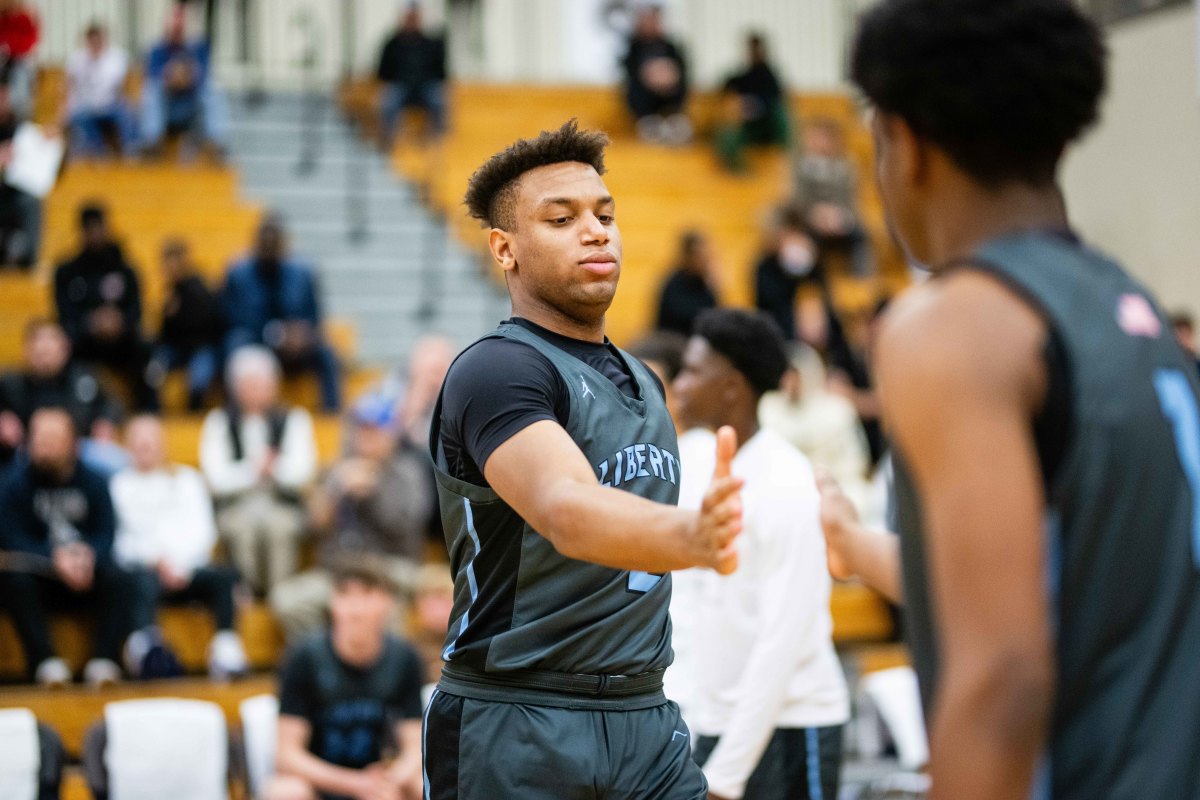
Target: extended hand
839, 518
720, 519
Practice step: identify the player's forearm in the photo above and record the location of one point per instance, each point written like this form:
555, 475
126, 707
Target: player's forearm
320, 774
989, 732
875, 558
617, 529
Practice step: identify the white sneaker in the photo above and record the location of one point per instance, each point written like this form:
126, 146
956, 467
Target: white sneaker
101, 672
226, 656
136, 647
53, 673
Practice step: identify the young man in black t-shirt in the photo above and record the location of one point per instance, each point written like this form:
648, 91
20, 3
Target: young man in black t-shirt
350, 701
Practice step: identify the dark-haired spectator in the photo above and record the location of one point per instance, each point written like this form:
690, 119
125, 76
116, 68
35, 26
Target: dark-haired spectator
179, 94
350, 701
99, 304
48, 378
20, 211
412, 68
656, 81
193, 325
825, 195
165, 536
376, 501
258, 457
691, 288
19, 35
757, 113
97, 113
58, 515
792, 259
1184, 326
272, 299
662, 352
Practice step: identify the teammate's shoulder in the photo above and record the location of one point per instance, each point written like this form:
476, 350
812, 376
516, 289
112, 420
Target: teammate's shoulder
787, 466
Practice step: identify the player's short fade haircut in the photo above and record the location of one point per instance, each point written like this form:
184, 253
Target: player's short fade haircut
751, 341
1002, 86
492, 190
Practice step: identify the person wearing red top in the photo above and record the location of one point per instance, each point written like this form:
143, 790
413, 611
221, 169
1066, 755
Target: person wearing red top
19, 35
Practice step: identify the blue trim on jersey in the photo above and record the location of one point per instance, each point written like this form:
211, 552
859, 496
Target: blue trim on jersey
812, 741
424, 742
471, 582
1041, 779
1179, 406
1052, 546
642, 581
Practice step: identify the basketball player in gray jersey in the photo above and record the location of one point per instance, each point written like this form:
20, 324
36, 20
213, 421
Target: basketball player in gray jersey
1046, 431
558, 474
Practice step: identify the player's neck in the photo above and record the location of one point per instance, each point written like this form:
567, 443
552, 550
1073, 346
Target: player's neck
746, 425
972, 215
555, 321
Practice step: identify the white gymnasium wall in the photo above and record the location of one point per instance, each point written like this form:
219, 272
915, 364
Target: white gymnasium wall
539, 41
1133, 186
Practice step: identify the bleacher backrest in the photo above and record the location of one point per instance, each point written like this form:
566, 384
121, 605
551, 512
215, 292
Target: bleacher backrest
260, 718
20, 757
166, 748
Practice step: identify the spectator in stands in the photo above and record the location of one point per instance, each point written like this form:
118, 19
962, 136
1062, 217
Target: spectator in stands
822, 425
1185, 333
662, 352
758, 113
20, 211
178, 93
57, 515
825, 195
656, 81
412, 69
19, 36
691, 288
258, 458
792, 259
99, 304
97, 113
850, 375
375, 501
428, 364
431, 616
271, 299
193, 326
165, 536
48, 378
350, 701
770, 698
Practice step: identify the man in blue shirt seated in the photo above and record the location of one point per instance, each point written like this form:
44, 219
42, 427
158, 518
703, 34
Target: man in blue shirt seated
271, 299
350, 701
57, 526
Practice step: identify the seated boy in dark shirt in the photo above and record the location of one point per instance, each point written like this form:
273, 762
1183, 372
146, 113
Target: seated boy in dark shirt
350, 701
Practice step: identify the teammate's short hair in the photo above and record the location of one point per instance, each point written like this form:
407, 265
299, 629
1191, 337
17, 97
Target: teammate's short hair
1002, 86
492, 190
751, 341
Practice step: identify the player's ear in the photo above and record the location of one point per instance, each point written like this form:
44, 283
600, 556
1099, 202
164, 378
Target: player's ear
909, 151
503, 248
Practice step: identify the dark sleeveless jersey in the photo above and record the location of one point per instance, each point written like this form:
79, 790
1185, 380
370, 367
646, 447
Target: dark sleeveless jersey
518, 603
1122, 532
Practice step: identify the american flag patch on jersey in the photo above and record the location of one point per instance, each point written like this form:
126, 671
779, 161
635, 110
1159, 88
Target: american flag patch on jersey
1136, 317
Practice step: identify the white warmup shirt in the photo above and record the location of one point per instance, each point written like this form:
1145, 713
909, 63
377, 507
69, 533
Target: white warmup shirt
765, 659
164, 515
95, 84
697, 458
295, 464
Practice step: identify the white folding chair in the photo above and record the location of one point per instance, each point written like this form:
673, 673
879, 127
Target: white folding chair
892, 697
166, 748
260, 718
20, 755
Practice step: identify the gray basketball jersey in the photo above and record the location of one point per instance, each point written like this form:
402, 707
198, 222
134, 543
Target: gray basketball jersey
1122, 532
518, 603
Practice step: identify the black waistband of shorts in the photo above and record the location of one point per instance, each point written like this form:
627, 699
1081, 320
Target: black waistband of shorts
556, 688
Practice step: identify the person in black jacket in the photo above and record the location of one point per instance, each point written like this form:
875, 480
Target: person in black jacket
691, 288
57, 526
792, 260
412, 68
193, 326
656, 84
759, 114
99, 304
47, 378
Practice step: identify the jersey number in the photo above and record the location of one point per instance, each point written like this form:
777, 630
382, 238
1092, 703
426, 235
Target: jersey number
1179, 406
641, 582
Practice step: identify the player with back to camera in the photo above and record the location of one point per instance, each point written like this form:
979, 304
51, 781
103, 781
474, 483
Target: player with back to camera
558, 474
1046, 430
